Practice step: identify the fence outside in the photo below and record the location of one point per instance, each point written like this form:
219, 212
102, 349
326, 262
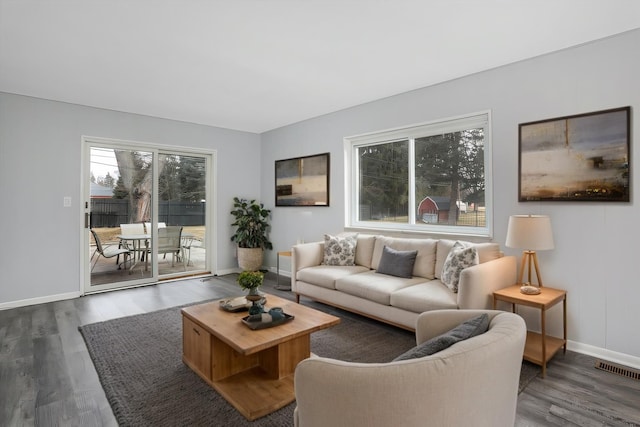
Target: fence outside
113, 212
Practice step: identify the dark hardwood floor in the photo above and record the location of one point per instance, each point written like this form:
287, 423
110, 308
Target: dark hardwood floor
48, 379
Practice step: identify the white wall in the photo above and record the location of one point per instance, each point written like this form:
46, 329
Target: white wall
40, 159
596, 243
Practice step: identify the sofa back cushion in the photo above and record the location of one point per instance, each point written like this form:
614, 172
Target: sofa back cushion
424, 265
486, 252
364, 249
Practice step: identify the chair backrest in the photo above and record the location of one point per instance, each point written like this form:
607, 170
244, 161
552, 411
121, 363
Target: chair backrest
147, 226
97, 240
129, 229
169, 238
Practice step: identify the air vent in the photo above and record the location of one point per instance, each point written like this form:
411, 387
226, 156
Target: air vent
618, 369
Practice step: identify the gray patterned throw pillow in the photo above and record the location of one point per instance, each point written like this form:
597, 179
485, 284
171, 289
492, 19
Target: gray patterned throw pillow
339, 250
459, 258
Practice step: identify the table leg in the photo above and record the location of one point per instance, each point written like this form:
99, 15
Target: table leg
564, 323
134, 261
138, 254
146, 256
544, 341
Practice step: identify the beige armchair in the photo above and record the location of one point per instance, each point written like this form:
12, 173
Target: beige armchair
472, 383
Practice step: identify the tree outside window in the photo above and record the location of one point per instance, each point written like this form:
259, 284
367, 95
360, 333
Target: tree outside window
427, 178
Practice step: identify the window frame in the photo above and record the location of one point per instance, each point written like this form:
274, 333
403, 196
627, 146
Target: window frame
451, 124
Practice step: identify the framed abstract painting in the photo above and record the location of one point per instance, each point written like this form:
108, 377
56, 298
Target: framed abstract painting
303, 181
584, 157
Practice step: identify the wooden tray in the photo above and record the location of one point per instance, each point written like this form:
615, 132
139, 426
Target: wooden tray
259, 324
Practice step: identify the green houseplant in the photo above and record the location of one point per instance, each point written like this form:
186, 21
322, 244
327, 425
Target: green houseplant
251, 281
251, 233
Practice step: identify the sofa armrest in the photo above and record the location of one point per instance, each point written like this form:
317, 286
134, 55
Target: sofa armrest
477, 283
305, 255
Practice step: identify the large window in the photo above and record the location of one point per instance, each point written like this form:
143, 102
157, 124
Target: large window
433, 177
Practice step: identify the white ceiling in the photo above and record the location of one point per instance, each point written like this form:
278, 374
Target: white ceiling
256, 65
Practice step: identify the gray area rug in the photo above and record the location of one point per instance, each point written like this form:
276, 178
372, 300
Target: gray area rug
139, 363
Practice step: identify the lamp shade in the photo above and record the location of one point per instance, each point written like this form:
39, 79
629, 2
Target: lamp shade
530, 232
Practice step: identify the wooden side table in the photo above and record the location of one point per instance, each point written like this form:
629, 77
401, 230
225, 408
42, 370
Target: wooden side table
540, 347
277, 286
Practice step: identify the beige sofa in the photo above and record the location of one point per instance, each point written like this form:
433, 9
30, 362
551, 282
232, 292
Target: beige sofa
396, 300
472, 383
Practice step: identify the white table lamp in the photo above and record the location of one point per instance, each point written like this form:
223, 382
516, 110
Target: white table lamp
531, 233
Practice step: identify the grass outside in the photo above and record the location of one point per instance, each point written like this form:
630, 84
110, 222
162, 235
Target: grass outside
471, 219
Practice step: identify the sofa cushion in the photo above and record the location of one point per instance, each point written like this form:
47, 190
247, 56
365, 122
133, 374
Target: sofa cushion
460, 257
486, 252
339, 250
326, 275
397, 263
475, 326
427, 296
373, 286
364, 249
424, 265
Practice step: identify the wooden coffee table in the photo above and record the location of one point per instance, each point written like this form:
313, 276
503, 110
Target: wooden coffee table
252, 369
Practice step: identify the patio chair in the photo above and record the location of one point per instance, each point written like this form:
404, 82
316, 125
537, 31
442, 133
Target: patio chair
190, 241
109, 251
147, 226
129, 229
170, 242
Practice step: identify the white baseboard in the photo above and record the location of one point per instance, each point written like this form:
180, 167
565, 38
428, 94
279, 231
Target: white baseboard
228, 271
604, 354
39, 300
283, 273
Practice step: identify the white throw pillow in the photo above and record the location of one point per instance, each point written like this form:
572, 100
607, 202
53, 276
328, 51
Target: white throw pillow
339, 250
460, 257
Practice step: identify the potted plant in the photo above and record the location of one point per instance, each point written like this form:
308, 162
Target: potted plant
251, 281
252, 226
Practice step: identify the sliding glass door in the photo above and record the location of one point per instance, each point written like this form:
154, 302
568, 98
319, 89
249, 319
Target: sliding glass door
146, 214
182, 205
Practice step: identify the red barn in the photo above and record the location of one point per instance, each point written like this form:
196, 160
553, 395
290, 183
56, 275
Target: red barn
434, 210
